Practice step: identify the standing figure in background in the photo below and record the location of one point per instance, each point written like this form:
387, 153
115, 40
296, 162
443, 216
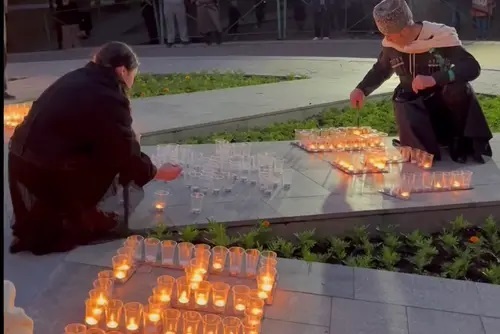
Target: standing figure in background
148, 14
175, 11
234, 15
321, 19
67, 20
260, 12
6, 95
482, 11
455, 15
209, 20
85, 9
299, 13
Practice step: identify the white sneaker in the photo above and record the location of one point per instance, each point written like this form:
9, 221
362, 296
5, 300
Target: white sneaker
326, 38
315, 38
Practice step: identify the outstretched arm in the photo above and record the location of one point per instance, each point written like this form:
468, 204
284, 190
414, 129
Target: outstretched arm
379, 73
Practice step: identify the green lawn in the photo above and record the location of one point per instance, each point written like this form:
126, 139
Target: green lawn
378, 115
147, 85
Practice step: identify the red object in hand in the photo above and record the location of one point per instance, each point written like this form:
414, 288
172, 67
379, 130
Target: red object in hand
168, 172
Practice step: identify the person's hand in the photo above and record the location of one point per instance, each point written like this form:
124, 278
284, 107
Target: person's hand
422, 82
357, 98
168, 172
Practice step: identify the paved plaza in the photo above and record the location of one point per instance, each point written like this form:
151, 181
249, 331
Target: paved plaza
311, 298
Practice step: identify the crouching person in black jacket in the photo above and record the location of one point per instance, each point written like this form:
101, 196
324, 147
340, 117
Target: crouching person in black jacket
74, 143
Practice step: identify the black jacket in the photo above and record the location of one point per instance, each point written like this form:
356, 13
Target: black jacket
83, 122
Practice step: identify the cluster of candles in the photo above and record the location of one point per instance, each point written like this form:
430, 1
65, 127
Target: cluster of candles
430, 182
368, 161
339, 139
418, 157
191, 292
14, 114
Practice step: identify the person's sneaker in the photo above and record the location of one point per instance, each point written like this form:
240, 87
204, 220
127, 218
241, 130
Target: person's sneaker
326, 38
315, 38
7, 96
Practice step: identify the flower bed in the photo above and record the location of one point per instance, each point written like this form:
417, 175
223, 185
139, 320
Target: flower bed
378, 115
459, 251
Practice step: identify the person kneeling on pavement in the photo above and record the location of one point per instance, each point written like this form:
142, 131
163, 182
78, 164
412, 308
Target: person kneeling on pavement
75, 144
434, 104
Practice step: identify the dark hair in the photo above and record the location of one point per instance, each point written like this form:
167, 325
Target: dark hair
116, 54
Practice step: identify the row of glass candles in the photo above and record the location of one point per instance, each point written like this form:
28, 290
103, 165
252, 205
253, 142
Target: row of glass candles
14, 114
242, 262
339, 139
430, 182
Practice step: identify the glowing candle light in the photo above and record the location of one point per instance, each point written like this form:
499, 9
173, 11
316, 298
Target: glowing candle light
112, 324
217, 266
456, 184
201, 300
132, 325
154, 317
220, 302
183, 298
262, 295
405, 194
239, 307
91, 321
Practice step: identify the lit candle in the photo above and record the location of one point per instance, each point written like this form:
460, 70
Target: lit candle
219, 303
356, 132
405, 194
97, 311
201, 300
132, 326
112, 324
189, 330
183, 299
217, 265
239, 307
262, 294
91, 321
426, 165
164, 297
154, 317
170, 332
101, 300
351, 168
456, 184
160, 206
120, 274
256, 311
438, 185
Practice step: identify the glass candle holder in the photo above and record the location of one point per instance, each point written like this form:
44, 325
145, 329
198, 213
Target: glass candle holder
95, 331
220, 293
185, 252
183, 290
133, 314
191, 322
164, 288
456, 180
168, 252
253, 319
197, 202
267, 254
255, 306
265, 283
106, 274
415, 152
268, 263
166, 281
121, 267
437, 181
138, 242
194, 276
286, 178
241, 294
466, 179
127, 251
427, 160
151, 246
113, 313
405, 153
93, 312
151, 320
252, 257
155, 305
446, 177
211, 324
247, 327
199, 249
75, 329
101, 296
170, 320
104, 284
231, 325
219, 255
200, 265
202, 294
160, 201
235, 260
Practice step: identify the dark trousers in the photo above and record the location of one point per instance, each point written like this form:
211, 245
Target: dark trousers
59, 35
234, 17
260, 12
321, 23
86, 22
148, 14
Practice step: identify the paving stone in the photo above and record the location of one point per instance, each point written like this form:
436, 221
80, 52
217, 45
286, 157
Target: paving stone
95, 255
416, 290
360, 317
489, 295
422, 321
300, 307
316, 278
270, 326
491, 325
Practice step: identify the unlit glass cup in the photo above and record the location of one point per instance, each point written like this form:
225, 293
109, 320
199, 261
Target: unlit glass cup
218, 183
197, 202
113, 313
405, 153
168, 252
219, 255
231, 325
466, 179
75, 329
220, 293
185, 253
195, 180
136, 241
252, 257
211, 324
160, 201
241, 294
228, 182
235, 260
170, 319
151, 246
133, 314
287, 177
191, 322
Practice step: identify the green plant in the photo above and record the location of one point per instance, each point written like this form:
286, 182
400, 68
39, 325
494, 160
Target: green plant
359, 235
423, 257
368, 247
458, 267
248, 240
160, 231
282, 246
217, 234
306, 239
492, 273
449, 242
415, 239
309, 256
392, 241
490, 228
389, 258
189, 233
459, 225
338, 248
361, 261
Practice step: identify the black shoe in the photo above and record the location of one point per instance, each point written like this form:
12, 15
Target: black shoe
218, 38
457, 152
7, 96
